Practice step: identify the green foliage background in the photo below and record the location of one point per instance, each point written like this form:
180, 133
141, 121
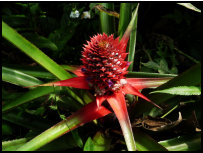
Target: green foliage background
168, 42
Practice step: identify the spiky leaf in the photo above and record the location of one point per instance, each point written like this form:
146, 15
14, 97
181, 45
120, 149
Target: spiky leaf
181, 90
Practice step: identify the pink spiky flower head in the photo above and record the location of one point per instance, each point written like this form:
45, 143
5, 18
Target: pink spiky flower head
103, 70
103, 64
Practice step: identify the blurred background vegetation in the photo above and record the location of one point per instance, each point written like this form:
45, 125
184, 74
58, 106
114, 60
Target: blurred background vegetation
161, 28
168, 42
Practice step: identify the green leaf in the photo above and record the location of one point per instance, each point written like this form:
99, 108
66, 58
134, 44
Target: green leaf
148, 75
151, 65
191, 77
163, 68
102, 143
32, 51
132, 42
63, 143
35, 71
190, 6
183, 143
54, 107
28, 96
13, 144
18, 78
86, 114
98, 143
89, 145
181, 90
125, 15
145, 143
77, 138
106, 21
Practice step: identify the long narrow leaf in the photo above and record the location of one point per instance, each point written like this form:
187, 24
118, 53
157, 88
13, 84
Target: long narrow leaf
98, 143
18, 78
191, 77
35, 71
86, 114
148, 75
32, 51
125, 15
190, 6
132, 42
30, 95
181, 90
26, 120
40, 73
13, 144
130, 27
63, 143
183, 143
106, 21
145, 143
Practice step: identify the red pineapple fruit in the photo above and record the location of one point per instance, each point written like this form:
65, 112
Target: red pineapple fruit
104, 65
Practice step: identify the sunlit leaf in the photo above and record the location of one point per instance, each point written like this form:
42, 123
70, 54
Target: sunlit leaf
190, 6
89, 145
98, 143
183, 143
32, 51
18, 78
181, 90
132, 41
36, 54
13, 144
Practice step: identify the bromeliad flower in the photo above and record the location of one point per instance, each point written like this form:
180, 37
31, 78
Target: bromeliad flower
104, 72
